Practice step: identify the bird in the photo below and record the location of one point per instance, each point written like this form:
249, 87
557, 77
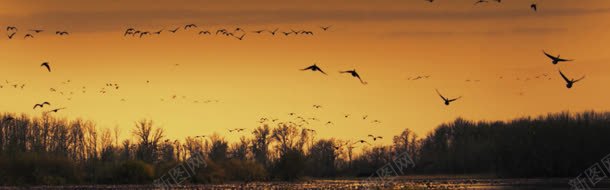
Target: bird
10, 36
273, 32
36, 30
534, 7
346, 115
481, 1
258, 31
11, 28
61, 33
41, 105
129, 31
354, 74
205, 32
158, 32
375, 137
314, 67
447, 101
46, 65
286, 33
555, 59
363, 141
569, 82
431, 1
190, 26
325, 28
241, 37
375, 121
174, 30
364, 117
56, 110
317, 106
28, 35
144, 33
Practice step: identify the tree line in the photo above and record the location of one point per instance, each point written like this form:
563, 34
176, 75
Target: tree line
54, 151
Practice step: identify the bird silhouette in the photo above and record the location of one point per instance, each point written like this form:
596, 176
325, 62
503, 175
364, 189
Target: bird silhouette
158, 32
447, 100
569, 82
205, 32
11, 28
10, 36
61, 33
314, 68
325, 28
354, 74
258, 31
144, 33
36, 30
28, 35
481, 1
46, 65
41, 105
534, 7
556, 59
174, 30
375, 137
274, 31
190, 26
129, 31
55, 110
241, 37
363, 141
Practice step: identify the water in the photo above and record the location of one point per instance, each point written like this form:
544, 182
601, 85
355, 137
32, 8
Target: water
397, 183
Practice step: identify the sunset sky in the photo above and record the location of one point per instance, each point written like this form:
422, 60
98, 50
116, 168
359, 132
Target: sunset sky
386, 41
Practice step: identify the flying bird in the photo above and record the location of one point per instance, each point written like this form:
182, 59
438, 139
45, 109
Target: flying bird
363, 141
28, 35
41, 105
556, 59
481, 1
10, 36
325, 28
158, 32
273, 32
61, 33
11, 28
569, 82
36, 30
354, 74
314, 68
46, 65
174, 30
129, 31
241, 37
190, 26
447, 100
205, 32
56, 110
375, 137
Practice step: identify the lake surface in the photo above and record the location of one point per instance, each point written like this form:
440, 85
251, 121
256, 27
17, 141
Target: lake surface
406, 183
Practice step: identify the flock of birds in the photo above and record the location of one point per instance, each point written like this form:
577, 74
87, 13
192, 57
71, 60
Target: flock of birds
533, 6
237, 33
12, 32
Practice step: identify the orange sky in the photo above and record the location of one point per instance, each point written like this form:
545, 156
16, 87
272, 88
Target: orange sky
386, 41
